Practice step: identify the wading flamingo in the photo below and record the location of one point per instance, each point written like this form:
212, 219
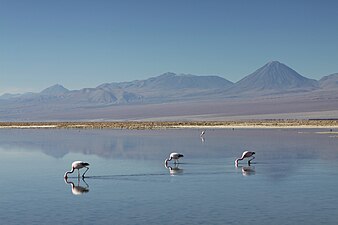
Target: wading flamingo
202, 133
175, 156
78, 165
246, 154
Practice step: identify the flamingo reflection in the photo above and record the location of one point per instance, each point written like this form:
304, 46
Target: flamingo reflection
202, 139
173, 170
247, 170
78, 189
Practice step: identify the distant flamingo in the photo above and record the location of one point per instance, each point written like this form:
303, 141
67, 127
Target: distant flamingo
246, 154
202, 133
78, 165
175, 156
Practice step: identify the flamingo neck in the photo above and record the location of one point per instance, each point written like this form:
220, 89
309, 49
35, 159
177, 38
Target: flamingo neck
236, 161
166, 161
66, 174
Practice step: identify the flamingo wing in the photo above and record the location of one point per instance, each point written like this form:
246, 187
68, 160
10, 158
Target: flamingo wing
246, 154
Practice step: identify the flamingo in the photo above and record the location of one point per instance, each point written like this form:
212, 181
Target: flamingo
202, 133
78, 165
246, 154
175, 156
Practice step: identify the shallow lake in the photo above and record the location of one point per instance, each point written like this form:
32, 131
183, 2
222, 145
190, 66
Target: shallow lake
293, 180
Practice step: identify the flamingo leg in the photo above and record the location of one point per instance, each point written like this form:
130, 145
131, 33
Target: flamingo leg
78, 173
251, 159
83, 175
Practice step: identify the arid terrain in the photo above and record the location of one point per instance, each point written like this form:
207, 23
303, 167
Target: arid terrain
177, 124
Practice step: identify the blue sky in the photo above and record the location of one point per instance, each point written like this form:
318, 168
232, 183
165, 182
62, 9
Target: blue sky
86, 43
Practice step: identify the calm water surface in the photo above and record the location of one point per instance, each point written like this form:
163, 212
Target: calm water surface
294, 179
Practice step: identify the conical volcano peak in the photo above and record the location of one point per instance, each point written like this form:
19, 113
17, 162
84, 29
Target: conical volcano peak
275, 77
273, 63
276, 68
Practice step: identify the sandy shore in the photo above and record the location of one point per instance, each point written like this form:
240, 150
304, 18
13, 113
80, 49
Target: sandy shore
330, 124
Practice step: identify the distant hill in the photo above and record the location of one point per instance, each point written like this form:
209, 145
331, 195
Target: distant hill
173, 81
183, 81
329, 82
169, 87
54, 90
100, 95
7, 96
274, 77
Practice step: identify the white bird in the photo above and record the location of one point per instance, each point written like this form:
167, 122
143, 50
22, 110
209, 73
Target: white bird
175, 156
78, 165
202, 133
246, 154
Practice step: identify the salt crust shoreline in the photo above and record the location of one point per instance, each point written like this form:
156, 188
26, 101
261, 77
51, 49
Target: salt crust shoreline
154, 125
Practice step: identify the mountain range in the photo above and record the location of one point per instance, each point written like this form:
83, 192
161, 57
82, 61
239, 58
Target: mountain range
274, 80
